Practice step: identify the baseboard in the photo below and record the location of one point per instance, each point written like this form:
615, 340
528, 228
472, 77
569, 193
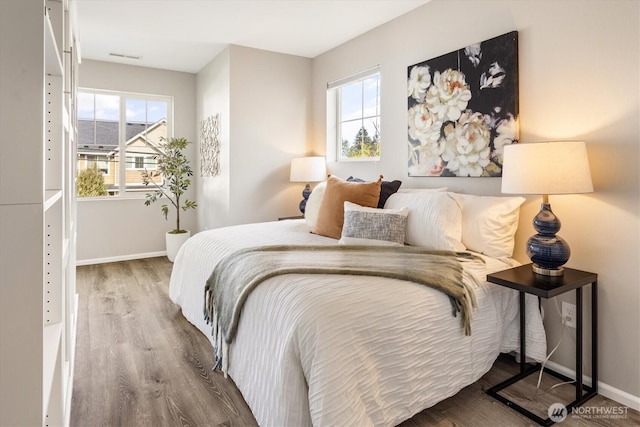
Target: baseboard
603, 389
120, 258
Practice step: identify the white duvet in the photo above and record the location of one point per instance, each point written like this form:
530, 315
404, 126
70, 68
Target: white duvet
328, 350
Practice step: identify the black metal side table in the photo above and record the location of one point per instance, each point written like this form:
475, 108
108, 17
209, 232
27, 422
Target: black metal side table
284, 218
525, 281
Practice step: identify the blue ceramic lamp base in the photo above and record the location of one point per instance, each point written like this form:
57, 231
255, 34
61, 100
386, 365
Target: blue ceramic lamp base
547, 251
305, 196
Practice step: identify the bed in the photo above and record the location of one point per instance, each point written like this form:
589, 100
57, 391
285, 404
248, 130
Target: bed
327, 349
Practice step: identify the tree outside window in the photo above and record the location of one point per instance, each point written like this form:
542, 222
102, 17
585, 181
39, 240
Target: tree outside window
358, 117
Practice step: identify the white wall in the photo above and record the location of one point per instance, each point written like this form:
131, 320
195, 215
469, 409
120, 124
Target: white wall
265, 106
117, 229
213, 97
579, 80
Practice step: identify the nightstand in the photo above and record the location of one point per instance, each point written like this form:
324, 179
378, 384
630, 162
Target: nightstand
525, 281
290, 217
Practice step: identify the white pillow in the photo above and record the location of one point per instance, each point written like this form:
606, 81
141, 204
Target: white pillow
313, 204
489, 224
373, 226
420, 190
435, 219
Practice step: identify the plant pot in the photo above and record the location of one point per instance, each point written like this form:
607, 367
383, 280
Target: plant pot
174, 243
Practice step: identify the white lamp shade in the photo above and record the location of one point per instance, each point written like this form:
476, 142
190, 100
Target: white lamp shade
546, 168
308, 169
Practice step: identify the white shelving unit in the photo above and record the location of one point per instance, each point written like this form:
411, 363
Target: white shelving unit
38, 302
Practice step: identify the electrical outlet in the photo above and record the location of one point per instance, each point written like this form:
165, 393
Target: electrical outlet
569, 314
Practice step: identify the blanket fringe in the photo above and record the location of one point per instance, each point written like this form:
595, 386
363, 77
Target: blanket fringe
221, 349
470, 300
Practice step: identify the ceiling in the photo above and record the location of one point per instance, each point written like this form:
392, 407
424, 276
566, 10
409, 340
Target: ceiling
184, 35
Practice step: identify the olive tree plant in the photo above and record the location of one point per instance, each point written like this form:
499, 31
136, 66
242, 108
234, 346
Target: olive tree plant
174, 170
90, 183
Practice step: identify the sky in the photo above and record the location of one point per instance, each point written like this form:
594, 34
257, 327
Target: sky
359, 99
107, 107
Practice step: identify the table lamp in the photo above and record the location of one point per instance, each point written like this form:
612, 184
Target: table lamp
307, 169
546, 168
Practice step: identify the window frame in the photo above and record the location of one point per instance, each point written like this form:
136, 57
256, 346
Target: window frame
132, 162
122, 190
97, 162
334, 114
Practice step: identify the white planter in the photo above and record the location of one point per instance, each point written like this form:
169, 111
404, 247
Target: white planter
174, 242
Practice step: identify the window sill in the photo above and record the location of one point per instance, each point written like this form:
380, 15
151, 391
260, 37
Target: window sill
103, 198
358, 160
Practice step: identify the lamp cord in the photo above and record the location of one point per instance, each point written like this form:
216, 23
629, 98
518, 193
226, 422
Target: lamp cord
564, 326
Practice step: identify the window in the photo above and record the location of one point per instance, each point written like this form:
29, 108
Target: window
112, 123
135, 162
99, 162
355, 103
141, 162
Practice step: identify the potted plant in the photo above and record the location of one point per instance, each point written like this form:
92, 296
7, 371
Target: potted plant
173, 167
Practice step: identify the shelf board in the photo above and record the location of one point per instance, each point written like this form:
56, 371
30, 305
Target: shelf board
66, 123
51, 337
51, 197
71, 338
70, 362
76, 298
52, 62
65, 252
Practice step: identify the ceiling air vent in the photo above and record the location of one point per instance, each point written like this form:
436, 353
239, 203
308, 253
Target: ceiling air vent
122, 55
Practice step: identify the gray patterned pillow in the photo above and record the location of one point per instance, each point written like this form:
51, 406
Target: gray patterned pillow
371, 226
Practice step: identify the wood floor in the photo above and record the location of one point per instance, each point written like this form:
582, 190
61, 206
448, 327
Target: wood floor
140, 363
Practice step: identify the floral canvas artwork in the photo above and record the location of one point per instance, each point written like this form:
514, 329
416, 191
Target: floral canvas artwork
463, 109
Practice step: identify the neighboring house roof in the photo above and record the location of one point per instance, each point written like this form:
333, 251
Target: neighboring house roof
143, 135
107, 136
106, 140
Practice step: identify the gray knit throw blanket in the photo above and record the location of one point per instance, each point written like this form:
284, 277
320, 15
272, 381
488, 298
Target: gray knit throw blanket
237, 274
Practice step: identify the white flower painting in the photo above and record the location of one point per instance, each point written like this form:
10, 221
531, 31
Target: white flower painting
463, 109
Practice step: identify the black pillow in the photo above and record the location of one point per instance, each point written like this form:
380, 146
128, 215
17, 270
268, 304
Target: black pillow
386, 190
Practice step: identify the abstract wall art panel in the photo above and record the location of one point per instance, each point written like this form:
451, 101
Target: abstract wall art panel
210, 146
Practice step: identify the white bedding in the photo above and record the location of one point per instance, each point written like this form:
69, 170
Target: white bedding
349, 350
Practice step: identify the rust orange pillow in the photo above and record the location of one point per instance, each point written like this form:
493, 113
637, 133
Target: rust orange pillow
338, 191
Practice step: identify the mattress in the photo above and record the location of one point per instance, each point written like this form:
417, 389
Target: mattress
350, 350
